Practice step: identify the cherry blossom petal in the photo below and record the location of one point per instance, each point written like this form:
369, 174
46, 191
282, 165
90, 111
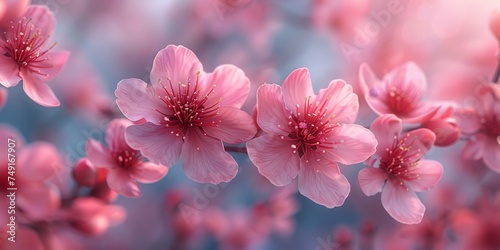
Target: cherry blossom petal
386, 128
409, 79
158, 143
402, 204
9, 71
38, 90
491, 155
232, 86
372, 89
371, 180
429, 173
296, 87
475, 148
137, 101
420, 141
427, 112
341, 103
122, 182
177, 63
38, 201
3, 97
99, 155
54, 64
272, 116
274, 158
352, 144
468, 120
38, 161
235, 126
115, 133
42, 18
205, 161
322, 182
149, 172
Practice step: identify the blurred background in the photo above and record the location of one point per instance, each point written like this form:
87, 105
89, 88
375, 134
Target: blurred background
114, 40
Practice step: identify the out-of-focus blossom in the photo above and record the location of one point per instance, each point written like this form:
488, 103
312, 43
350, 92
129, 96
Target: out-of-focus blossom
11, 10
481, 121
400, 92
400, 170
340, 17
125, 165
93, 216
3, 97
495, 23
25, 54
307, 134
189, 113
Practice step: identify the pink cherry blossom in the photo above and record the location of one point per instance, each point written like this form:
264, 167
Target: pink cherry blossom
481, 122
400, 170
25, 54
125, 165
189, 113
401, 93
305, 135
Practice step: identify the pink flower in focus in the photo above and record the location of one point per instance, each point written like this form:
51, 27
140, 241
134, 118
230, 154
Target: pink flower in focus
400, 93
189, 113
125, 165
25, 54
400, 170
482, 123
306, 134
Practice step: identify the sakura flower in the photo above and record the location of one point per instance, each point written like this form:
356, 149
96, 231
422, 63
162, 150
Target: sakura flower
25, 54
481, 122
305, 135
401, 93
400, 170
188, 112
125, 165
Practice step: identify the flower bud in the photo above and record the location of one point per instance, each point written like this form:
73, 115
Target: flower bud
495, 23
447, 132
85, 173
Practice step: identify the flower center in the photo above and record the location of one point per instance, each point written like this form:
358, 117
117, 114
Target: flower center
24, 45
189, 107
308, 127
399, 103
400, 162
126, 158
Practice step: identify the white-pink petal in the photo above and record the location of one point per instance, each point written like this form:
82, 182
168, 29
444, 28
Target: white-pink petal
136, 101
402, 204
37, 89
148, 172
204, 159
341, 104
322, 182
122, 182
371, 180
352, 144
159, 144
233, 126
272, 116
296, 87
274, 158
232, 86
429, 174
177, 63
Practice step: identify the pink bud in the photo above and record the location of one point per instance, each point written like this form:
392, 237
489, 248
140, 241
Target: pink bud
495, 23
85, 173
446, 131
13, 10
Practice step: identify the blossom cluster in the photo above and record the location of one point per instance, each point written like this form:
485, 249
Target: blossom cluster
246, 130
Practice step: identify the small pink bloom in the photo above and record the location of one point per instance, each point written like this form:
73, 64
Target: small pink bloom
125, 165
400, 169
400, 92
25, 54
482, 123
189, 113
305, 135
